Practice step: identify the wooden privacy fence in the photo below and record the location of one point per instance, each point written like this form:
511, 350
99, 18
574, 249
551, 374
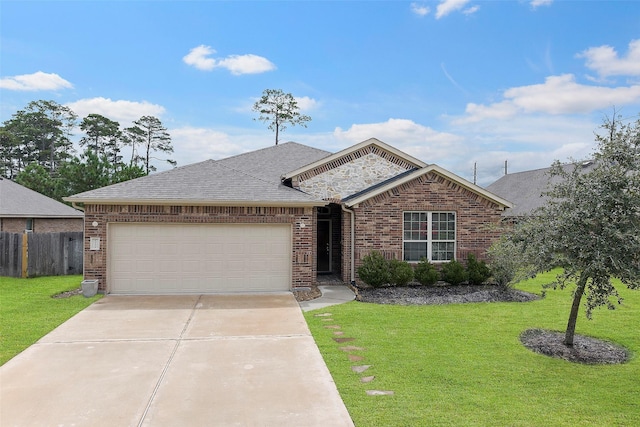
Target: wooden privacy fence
40, 254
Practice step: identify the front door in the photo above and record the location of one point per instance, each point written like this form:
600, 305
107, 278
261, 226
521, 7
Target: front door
324, 246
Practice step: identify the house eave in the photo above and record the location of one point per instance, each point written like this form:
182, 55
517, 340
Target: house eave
195, 202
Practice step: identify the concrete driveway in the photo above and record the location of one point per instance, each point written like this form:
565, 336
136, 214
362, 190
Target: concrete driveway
208, 360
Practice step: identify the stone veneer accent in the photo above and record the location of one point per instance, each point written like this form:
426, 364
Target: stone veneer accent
303, 268
351, 177
379, 220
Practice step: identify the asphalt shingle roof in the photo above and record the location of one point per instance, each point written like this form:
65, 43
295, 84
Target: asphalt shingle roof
17, 201
525, 189
250, 177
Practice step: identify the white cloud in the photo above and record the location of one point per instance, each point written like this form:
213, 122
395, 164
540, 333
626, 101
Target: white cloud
306, 104
449, 6
557, 95
471, 10
606, 62
246, 64
420, 141
121, 111
34, 82
537, 3
420, 9
192, 145
199, 57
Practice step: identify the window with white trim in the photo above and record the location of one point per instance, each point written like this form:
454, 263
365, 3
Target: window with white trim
429, 234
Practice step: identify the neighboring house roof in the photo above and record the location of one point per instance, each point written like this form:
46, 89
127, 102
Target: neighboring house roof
17, 201
526, 189
249, 179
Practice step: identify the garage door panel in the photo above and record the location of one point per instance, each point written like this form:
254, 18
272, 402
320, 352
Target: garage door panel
198, 258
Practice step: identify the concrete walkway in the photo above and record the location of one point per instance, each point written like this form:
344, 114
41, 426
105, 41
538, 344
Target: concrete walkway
331, 295
208, 360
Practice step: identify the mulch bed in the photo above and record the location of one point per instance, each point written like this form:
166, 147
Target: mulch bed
441, 294
68, 294
585, 350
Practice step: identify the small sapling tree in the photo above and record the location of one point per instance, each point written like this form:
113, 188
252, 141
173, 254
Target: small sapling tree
590, 225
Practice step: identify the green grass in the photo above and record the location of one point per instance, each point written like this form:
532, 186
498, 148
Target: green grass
27, 311
463, 364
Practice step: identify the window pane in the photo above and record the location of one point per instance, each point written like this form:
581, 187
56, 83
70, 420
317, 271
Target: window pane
442, 251
414, 251
407, 217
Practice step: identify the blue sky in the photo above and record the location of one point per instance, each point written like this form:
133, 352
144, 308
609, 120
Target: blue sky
452, 82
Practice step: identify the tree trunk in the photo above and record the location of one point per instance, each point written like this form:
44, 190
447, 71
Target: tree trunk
575, 307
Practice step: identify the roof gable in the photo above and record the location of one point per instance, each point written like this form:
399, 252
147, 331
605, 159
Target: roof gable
458, 183
21, 202
352, 170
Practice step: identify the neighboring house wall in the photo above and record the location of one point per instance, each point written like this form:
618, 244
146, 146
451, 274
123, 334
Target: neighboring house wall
379, 220
42, 225
303, 270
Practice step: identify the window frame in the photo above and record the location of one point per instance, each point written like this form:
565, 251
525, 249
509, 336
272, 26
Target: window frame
429, 241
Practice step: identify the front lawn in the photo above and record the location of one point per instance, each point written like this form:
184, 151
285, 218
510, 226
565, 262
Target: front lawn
27, 311
464, 365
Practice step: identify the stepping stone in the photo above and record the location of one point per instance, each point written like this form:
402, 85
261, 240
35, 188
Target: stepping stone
367, 379
341, 340
332, 327
323, 315
379, 393
360, 369
327, 320
338, 333
351, 348
355, 358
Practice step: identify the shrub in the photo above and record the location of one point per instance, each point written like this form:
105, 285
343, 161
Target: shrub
506, 262
426, 273
477, 271
374, 270
453, 272
400, 272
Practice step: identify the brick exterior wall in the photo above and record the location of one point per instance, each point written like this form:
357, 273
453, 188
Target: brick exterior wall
42, 225
379, 220
303, 268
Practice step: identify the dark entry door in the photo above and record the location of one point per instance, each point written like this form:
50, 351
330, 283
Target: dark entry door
324, 246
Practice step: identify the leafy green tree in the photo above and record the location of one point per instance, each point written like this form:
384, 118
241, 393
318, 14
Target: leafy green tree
103, 136
9, 154
41, 133
279, 109
91, 171
37, 178
590, 226
153, 137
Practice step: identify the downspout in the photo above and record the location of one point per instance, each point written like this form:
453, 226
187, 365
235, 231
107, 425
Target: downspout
75, 206
353, 244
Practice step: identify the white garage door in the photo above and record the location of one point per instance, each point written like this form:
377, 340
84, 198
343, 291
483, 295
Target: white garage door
198, 258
